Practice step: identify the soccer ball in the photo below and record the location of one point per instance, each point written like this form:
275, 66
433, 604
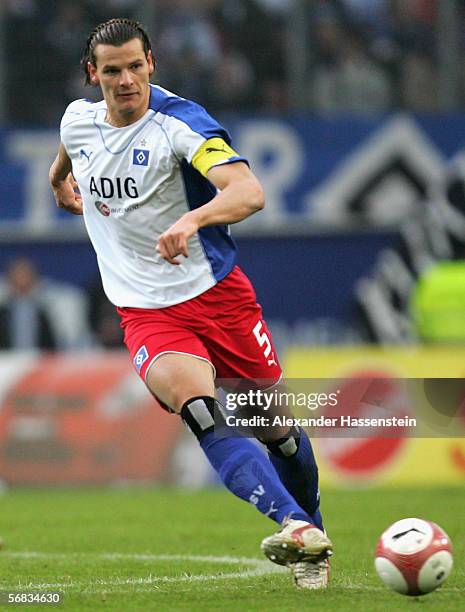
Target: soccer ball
413, 556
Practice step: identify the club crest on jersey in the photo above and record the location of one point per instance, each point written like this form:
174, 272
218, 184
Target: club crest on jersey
140, 157
141, 357
103, 208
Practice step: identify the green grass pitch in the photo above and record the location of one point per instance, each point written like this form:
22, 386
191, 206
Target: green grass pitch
164, 549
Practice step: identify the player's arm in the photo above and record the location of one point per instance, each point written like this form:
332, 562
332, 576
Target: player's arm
240, 196
63, 184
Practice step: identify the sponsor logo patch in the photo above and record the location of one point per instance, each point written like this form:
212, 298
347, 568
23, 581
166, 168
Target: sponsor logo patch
141, 357
103, 208
140, 157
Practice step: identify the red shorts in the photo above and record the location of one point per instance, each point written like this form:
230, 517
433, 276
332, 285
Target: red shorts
223, 325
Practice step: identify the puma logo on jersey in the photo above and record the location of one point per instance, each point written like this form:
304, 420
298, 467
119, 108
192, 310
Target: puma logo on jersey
82, 154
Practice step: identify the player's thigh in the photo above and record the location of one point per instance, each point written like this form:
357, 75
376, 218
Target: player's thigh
237, 339
174, 378
243, 352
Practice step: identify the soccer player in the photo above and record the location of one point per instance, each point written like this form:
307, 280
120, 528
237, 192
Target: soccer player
158, 183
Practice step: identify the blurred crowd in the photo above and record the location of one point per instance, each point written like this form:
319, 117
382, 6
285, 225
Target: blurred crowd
38, 312
359, 56
362, 56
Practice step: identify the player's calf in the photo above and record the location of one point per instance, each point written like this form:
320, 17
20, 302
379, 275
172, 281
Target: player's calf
242, 467
293, 458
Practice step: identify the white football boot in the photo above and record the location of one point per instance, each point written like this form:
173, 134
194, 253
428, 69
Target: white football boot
311, 574
296, 542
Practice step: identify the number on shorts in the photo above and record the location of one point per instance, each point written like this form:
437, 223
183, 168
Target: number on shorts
262, 338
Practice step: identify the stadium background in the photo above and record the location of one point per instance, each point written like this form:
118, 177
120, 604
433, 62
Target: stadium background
352, 113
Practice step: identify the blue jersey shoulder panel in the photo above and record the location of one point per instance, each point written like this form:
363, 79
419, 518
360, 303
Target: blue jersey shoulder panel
190, 113
219, 246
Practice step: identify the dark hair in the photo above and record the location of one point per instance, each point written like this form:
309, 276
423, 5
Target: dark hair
114, 32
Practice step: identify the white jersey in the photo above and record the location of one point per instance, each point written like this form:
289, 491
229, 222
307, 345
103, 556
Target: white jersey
135, 182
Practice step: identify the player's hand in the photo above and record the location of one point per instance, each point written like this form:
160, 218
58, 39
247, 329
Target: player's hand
67, 195
174, 241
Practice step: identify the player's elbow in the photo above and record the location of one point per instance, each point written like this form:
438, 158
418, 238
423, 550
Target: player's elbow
52, 173
256, 196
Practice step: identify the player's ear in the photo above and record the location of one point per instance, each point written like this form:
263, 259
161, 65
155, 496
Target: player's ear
92, 71
151, 62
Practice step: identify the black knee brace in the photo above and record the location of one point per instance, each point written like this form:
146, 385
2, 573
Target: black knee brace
286, 446
199, 414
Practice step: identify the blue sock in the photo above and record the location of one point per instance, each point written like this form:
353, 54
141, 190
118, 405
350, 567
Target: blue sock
247, 473
294, 461
242, 467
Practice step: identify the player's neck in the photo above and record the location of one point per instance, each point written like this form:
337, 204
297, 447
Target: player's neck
118, 120
123, 121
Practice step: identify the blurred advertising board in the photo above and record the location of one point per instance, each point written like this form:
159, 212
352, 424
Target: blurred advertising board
80, 418
380, 459
332, 173
86, 418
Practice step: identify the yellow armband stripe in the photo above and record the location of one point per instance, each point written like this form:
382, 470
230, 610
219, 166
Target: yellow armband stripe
212, 153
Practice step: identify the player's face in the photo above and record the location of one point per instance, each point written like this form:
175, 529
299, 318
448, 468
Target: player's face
123, 73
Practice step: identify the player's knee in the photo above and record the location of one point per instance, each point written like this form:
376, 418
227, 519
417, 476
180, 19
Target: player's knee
176, 378
285, 446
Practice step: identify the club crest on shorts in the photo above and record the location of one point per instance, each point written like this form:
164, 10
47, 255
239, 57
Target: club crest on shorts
141, 357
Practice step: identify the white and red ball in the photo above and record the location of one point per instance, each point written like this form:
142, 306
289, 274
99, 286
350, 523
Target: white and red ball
413, 556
